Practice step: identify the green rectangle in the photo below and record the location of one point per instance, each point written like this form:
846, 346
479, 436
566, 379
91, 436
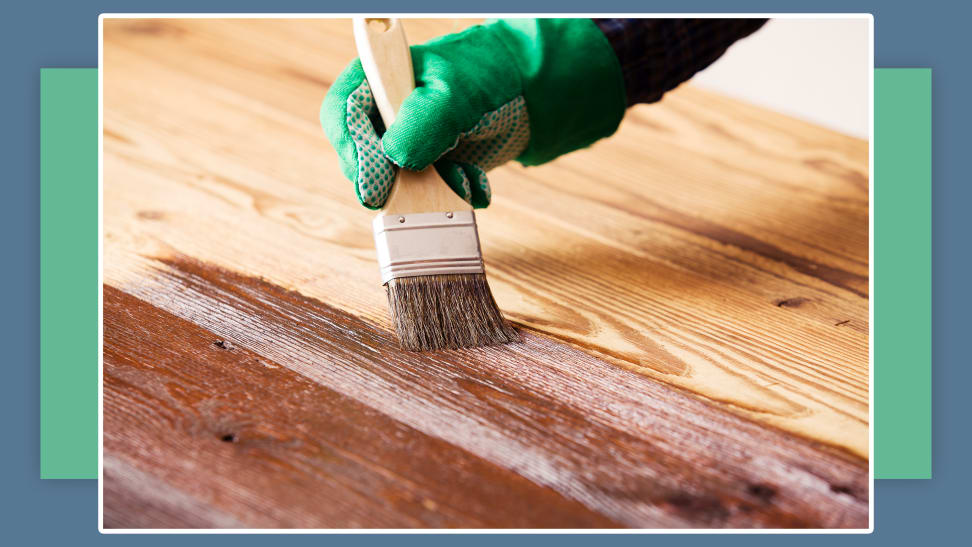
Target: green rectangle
69, 273
902, 274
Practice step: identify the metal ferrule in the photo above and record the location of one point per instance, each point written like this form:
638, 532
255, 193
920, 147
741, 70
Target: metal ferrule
427, 244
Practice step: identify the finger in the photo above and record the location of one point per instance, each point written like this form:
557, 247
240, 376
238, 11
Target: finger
431, 118
424, 130
478, 185
455, 177
350, 119
334, 117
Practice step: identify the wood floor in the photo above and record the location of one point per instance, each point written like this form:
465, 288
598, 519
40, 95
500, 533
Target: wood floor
692, 294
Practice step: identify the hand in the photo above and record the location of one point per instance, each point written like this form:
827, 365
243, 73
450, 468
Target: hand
524, 89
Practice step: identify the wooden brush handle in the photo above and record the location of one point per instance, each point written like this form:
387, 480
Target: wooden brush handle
387, 63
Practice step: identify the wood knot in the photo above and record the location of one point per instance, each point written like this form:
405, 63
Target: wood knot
791, 302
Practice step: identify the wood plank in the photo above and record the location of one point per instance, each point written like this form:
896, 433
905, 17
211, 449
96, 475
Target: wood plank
271, 409
715, 247
243, 436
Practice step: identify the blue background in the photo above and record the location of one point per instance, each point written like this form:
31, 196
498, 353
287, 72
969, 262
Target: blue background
55, 34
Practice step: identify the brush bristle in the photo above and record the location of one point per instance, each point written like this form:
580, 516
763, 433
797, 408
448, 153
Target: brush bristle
446, 312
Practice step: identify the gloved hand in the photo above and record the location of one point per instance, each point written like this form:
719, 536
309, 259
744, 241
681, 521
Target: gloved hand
525, 89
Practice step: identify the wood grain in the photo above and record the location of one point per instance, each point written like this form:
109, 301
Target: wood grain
290, 413
708, 263
273, 448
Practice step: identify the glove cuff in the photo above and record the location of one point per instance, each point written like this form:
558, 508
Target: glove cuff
572, 83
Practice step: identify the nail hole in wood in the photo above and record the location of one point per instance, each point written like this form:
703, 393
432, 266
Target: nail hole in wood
224, 344
762, 491
840, 489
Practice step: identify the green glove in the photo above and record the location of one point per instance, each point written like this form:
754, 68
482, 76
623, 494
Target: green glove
524, 89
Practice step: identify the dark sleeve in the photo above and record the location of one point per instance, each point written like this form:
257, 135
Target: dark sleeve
658, 54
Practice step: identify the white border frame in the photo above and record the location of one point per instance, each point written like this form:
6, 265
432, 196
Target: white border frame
101, 18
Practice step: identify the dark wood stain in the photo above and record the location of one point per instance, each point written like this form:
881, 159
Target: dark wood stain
308, 416
271, 448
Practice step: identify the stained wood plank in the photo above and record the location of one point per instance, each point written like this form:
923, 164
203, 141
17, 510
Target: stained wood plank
710, 245
272, 409
237, 434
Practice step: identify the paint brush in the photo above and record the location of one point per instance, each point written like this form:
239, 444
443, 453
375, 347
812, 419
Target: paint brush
426, 236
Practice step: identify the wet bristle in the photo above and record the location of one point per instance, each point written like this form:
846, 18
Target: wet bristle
446, 312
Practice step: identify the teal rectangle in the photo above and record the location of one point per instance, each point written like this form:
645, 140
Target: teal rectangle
69, 273
902, 273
